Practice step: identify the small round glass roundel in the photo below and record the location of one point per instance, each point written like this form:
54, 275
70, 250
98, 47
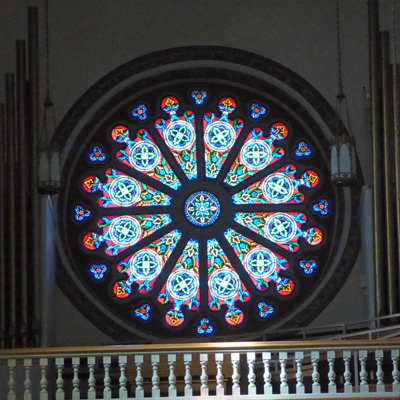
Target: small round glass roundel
202, 208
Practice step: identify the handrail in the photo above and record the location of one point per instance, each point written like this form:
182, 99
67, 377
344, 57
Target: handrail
304, 331
369, 332
222, 347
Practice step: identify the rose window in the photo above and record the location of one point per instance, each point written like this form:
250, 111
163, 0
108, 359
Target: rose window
192, 210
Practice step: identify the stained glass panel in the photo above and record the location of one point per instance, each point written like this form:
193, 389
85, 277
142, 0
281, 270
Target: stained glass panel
203, 218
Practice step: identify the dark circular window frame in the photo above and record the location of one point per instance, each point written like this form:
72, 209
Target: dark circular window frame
208, 68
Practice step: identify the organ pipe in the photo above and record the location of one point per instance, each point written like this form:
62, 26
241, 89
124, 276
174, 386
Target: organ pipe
373, 15
3, 302
389, 204
33, 79
22, 187
11, 228
396, 135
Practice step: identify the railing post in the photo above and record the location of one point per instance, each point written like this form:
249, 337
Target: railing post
283, 375
60, 394
235, 374
91, 381
380, 386
396, 372
219, 359
316, 387
331, 374
75, 381
107, 379
251, 359
187, 359
204, 376
44, 395
155, 380
364, 388
172, 377
123, 391
27, 381
12, 363
267, 373
139, 359
348, 388
299, 355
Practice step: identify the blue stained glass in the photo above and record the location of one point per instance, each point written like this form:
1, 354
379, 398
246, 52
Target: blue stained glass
265, 309
281, 227
144, 156
199, 96
204, 327
81, 213
98, 271
257, 110
97, 154
140, 112
143, 312
256, 154
202, 208
183, 284
308, 266
303, 150
322, 207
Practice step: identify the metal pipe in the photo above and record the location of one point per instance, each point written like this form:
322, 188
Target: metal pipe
22, 187
388, 145
396, 134
11, 228
373, 19
3, 302
33, 79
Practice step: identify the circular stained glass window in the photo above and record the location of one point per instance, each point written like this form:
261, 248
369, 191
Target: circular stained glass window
199, 200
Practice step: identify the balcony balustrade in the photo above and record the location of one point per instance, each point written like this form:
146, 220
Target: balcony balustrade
226, 370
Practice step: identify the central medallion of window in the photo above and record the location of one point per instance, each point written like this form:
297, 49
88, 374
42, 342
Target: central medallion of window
202, 208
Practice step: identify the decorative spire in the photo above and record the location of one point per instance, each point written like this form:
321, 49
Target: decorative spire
49, 159
343, 161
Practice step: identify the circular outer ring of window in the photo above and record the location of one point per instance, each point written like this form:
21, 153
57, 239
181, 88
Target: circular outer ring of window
211, 68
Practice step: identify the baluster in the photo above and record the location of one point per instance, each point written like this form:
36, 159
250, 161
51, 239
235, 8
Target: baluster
107, 379
187, 359
27, 381
75, 381
380, 386
172, 378
251, 359
316, 387
267, 373
235, 357
331, 374
12, 363
348, 388
60, 395
204, 376
299, 355
395, 372
219, 359
123, 391
91, 381
44, 395
283, 375
155, 361
139, 378
364, 388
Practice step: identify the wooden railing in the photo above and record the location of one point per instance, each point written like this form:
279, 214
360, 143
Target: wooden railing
308, 369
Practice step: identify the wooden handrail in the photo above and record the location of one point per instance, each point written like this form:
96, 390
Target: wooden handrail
221, 347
